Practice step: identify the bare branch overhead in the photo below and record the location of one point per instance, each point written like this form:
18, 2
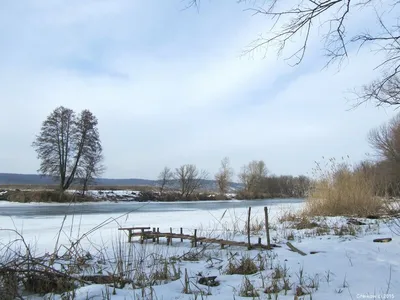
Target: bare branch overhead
297, 22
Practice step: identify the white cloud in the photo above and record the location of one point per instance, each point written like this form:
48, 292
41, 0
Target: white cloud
178, 96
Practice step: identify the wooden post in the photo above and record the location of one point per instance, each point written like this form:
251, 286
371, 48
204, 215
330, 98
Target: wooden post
181, 234
259, 241
170, 238
248, 229
130, 235
267, 227
158, 236
195, 238
154, 237
186, 288
142, 236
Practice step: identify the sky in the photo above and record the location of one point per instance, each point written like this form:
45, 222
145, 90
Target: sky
172, 86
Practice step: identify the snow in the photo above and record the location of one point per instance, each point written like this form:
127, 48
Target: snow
110, 194
345, 267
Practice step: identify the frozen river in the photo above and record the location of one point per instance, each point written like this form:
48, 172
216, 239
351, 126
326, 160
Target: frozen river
29, 210
40, 223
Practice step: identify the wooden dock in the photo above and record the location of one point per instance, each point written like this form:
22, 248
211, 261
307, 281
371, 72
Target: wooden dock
144, 233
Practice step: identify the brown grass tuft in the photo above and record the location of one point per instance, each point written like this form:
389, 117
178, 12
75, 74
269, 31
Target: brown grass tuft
245, 266
341, 191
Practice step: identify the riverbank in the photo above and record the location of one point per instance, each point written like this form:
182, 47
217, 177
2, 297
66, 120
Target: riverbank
44, 196
341, 260
119, 195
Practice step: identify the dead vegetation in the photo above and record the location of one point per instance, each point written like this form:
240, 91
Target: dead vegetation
296, 226
22, 272
340, 190
247, 289
297, 221
243, 266
20, 269
46, 196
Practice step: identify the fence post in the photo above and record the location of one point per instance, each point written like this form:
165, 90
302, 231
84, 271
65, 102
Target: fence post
248, 229
267, 227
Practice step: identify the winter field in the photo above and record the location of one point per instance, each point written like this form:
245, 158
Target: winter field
345, 264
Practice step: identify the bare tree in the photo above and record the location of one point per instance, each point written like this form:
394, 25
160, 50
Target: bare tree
224, 175
385, 90
165, 178
302, 186
63, 141
91, 167
252, 175
298, 21
190, 179
386, 140
285, 186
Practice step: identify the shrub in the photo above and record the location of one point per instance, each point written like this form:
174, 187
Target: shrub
342, 191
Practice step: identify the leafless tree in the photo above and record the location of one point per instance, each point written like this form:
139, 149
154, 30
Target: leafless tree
285, 186
64, 140
302, 186
252, 175
386, 140
90, 168
383, 91
224, 175
190, 179
299, 20
165, 178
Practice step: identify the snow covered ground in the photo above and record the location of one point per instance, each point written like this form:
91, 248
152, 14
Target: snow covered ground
118, 195
347, 265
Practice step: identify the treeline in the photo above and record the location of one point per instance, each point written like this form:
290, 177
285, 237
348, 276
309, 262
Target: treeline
187, 182
273, 186
258, 184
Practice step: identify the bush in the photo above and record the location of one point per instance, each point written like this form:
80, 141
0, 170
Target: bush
342, 191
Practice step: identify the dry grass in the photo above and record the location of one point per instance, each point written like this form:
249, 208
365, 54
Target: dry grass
247, 289
297, 220
46, 196
244, 266
340, 191
257, 226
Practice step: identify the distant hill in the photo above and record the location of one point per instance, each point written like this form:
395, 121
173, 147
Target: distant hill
35, 179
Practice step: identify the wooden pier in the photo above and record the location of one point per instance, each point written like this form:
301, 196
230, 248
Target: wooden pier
144, 233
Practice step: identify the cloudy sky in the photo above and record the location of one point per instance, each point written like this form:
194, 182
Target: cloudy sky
171, 86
